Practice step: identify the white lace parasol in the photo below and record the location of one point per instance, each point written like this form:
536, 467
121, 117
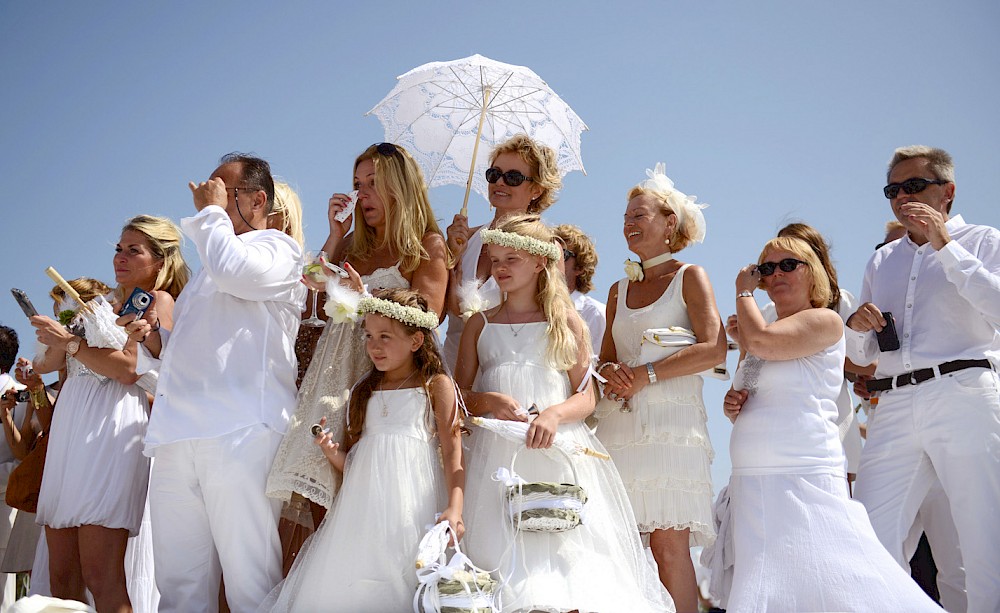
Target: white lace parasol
443, 111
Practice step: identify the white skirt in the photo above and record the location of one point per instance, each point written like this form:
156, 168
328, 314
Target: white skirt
662, 450
801, 544
95, 472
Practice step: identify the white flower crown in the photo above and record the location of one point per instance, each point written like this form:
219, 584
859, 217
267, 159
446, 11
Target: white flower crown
411, 316
522, 243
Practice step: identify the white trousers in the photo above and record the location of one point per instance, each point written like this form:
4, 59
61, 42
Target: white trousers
934, 519
211, 517
945, 430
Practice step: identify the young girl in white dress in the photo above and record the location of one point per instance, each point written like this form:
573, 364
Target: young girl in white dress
362, 556
533, 351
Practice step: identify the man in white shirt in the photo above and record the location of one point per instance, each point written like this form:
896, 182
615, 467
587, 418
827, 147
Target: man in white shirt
938, 416
226, 390
580, 263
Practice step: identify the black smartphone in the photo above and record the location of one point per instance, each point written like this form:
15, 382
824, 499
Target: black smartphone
24, 302
137, 302
888, 340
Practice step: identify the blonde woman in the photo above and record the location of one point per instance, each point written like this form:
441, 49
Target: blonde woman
799, 542
657, 434
532, 356
94, 488
395, 243
524, 178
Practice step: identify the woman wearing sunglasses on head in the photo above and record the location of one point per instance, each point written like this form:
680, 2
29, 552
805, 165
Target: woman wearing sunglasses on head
524, 178
395, 243
843, 302
800, 543
653, 419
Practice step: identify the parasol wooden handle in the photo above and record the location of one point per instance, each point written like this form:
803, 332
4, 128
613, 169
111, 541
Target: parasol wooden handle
475, 151
72, 293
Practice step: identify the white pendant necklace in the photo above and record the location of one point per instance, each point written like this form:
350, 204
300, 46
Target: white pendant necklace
385, 406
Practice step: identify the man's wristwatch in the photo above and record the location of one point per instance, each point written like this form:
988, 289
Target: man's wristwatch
72, 347
650, 372
745, 294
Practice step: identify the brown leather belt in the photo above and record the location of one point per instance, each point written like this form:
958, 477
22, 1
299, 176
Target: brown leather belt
924, 374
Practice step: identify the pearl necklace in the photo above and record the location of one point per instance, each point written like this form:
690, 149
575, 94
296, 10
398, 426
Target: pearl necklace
385, 407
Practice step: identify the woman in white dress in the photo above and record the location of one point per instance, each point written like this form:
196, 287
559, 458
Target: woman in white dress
395, 243
402, 413
534, 351
843, 302
94, 483
524, 178
657, 432
799, 542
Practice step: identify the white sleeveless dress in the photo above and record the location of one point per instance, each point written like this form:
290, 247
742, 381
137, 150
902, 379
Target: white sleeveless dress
662, 447
362, 556
597, 566
95, 472
799, 541
338, 362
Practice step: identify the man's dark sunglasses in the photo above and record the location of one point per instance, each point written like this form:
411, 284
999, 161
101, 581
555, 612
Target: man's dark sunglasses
910, 186
512, 178
786, 265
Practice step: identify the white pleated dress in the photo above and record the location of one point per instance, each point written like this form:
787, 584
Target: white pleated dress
661, 447
361, 558
95, 472
597, 566
800, 543
338, 362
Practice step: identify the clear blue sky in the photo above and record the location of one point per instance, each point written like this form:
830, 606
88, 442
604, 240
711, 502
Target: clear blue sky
769, 111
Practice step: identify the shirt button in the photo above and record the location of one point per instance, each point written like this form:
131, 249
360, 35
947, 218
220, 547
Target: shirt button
913, 278
906, 365
907, 335
909, 306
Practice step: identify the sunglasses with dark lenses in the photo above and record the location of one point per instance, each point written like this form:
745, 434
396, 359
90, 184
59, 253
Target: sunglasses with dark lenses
386, 148
786, 265
567, 254
512, 178
910, 186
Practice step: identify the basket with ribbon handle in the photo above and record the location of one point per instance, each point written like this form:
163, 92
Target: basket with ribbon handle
543, 506
451, 586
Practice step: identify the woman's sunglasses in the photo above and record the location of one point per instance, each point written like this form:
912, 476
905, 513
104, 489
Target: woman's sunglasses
513, 178
786, 265
910, 186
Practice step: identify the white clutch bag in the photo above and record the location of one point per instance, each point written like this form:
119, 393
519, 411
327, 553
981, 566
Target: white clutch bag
658, 343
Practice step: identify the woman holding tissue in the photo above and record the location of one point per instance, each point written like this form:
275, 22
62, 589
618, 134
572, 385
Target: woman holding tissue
94, 484
395, 244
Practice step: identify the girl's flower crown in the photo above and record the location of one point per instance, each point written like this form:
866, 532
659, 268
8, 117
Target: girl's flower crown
522, 243
411, 316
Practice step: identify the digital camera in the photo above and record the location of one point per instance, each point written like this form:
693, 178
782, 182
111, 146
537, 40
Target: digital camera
137, 303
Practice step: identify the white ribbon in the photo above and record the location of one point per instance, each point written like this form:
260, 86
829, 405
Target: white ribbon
508, 477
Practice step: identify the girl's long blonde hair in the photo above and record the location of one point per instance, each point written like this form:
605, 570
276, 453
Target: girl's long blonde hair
408, 214
552, 295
